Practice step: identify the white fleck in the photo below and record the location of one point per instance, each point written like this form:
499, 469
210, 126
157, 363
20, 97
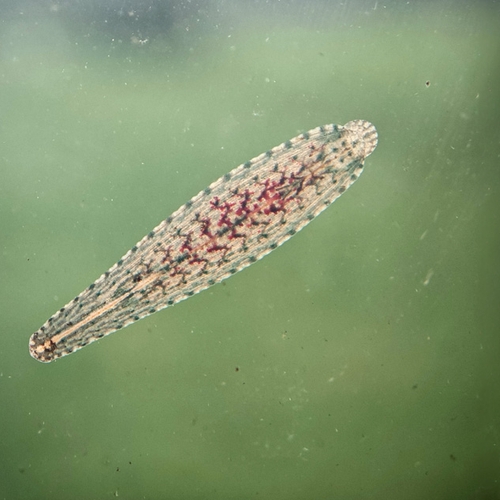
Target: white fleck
428, 277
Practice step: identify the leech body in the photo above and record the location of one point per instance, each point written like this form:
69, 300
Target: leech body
236, 221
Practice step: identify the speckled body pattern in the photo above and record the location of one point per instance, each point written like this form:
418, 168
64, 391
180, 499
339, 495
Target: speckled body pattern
236, 221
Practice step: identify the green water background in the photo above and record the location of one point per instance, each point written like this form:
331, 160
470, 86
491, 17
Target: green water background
359, 360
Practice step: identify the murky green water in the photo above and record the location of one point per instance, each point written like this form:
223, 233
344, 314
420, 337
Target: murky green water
360, 360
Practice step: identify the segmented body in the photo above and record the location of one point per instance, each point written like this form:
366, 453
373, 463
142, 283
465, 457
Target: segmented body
236, 221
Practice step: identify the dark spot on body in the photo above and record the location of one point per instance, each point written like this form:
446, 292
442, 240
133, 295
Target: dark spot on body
181, 258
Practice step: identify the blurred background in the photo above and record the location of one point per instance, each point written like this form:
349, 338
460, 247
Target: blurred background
359, 360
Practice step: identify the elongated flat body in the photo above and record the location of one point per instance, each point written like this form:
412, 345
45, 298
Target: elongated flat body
234, 222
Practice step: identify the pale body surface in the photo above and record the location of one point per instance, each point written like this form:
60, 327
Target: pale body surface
234, 222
